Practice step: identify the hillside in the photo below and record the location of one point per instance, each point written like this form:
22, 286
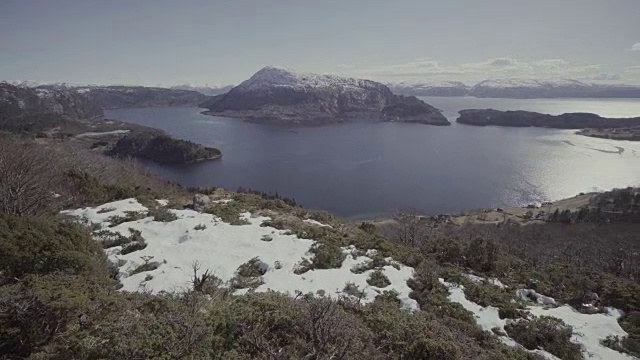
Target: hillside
118, 97
275, 95
67, 113
135, 267
22, 101
485, 117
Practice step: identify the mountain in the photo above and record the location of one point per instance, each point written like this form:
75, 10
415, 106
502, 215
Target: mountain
206, 89
278, 95
18, 101
518, 89
444, 88
117, 97
533, 119
565, 88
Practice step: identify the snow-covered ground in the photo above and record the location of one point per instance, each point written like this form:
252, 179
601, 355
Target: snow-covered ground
104, 133
588, 329
221, 248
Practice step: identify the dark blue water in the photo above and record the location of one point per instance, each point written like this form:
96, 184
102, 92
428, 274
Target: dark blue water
366, 169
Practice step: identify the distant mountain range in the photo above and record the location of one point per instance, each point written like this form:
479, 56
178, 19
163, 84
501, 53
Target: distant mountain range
118, 97
206, 90
518, 89
18, 101
278, 95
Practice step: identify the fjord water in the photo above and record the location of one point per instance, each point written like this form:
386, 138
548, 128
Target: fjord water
371, 169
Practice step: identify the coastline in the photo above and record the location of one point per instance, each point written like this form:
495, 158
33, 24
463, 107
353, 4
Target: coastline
511, 214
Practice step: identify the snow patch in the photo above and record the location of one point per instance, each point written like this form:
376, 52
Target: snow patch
316, 223
104, 133
588, 329
480, 280
221, 248
529, 294
486, 317
222, 201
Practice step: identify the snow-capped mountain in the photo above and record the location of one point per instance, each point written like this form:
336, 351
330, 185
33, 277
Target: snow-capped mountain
557, 88
209, 90
528, 88
119, 96
439, 88
518, 88
277, 94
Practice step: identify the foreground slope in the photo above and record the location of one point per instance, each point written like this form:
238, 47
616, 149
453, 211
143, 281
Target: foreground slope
278, 95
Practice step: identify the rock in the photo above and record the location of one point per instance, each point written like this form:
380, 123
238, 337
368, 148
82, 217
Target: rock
200, 202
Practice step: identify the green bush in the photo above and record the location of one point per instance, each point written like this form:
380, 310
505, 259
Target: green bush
136, 242
44, 246
162, 214
353, 290
482, 255
327, 256
116, 220
548, 333
378, 279
249, 275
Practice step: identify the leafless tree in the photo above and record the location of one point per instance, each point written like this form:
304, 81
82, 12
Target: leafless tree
409, 228
27, 178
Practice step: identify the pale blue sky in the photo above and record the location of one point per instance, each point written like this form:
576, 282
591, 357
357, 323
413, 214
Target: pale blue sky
219, 42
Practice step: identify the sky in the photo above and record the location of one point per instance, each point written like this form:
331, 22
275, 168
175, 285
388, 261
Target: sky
217, 42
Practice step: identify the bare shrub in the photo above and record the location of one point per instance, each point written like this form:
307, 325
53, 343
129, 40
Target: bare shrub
27, 178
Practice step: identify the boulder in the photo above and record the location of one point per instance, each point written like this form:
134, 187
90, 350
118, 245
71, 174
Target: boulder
201, 202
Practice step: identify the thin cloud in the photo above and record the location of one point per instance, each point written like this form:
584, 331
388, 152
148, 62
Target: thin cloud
635, 47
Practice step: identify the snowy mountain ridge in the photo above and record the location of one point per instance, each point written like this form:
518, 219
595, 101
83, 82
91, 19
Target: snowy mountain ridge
533, 83
273, 76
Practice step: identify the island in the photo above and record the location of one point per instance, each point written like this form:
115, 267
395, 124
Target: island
162, 149
486, 117
278, 96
